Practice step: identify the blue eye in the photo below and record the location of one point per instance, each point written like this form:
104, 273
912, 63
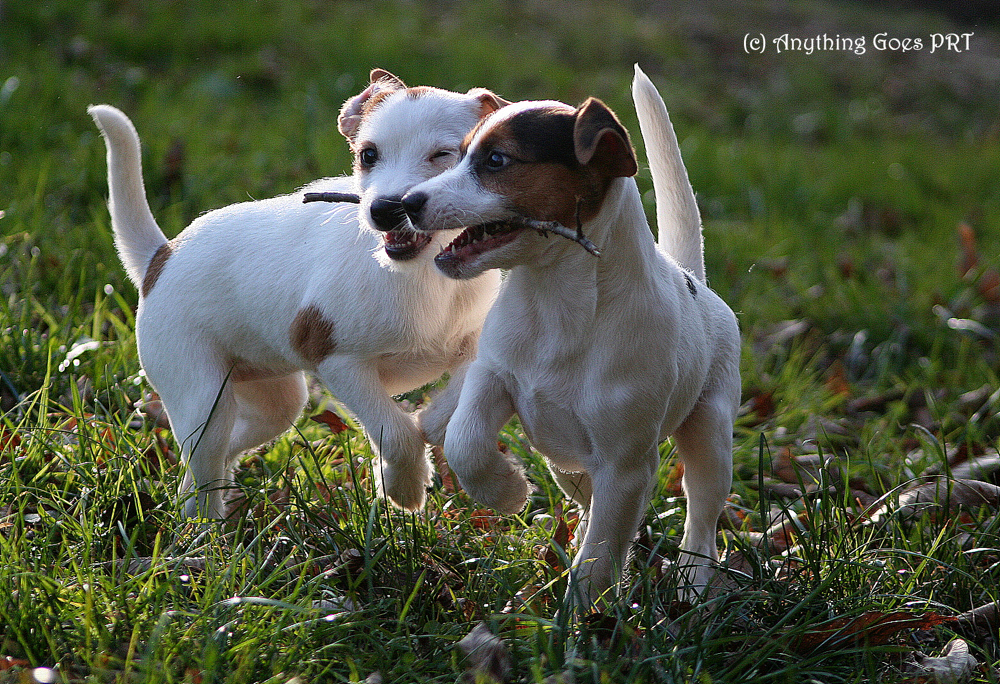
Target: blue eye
368, 157
496, 160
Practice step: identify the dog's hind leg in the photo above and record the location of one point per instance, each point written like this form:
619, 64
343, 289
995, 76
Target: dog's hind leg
433, 419
202, 420
705, 446
265, 409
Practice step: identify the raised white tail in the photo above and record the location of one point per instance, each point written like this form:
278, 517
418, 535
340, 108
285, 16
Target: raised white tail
137, 236
677, 219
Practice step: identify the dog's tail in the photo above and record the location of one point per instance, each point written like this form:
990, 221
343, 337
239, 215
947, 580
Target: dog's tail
137, 236
677, 219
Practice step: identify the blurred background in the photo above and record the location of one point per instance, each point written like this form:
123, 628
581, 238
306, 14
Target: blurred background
841, 187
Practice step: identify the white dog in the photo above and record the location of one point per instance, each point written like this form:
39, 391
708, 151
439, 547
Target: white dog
233, 309
601, 357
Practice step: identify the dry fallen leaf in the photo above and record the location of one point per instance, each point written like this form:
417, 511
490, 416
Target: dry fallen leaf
930, 497
331, 420
486, 656
873, 628
956, 665
448, 479
981, 621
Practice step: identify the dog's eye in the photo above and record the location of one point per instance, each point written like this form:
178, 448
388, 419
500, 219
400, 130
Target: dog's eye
368, 157
496, 160
442, 155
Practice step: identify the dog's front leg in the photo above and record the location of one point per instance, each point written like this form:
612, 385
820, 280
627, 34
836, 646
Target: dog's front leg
621, 493
470, 444
403, 470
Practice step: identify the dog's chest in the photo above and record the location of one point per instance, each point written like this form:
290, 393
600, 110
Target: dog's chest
554, 427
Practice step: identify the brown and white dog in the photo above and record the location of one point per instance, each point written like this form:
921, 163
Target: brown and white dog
246, 298
602, 358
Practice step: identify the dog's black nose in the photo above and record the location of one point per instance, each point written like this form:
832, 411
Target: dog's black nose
387, 213
412, 203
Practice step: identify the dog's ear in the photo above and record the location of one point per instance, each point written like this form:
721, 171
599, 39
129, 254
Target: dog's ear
381, 75
489, 101
381, 81
600, 140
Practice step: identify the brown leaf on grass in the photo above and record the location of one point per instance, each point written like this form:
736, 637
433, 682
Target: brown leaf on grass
967, 243
988, 281
9, 440
930, 497
877, 403
560, 538
836, 380
611, 633
486, 656
759, 408
154, 412
873, 628
158, 454
483, 519
673, 485
7, 662
331, 420
988, 285
782, 490
448, 479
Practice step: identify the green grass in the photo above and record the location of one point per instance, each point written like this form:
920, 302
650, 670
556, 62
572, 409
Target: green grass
832, 188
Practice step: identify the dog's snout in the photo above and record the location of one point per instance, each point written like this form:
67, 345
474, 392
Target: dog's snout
387, 213
413, 203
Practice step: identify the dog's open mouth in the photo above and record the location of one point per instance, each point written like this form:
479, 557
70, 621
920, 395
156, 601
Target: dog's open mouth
476, 240
402, 243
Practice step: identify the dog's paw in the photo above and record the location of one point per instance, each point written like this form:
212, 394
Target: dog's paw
504, 488
405, 484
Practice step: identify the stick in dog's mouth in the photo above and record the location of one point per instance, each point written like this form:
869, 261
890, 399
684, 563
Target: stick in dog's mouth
486, 236
350, 197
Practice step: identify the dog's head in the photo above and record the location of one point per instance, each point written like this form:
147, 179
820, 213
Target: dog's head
544, 161
400, 137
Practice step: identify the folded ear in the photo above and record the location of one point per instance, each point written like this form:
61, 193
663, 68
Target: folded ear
489, 101
600, 140
351, 113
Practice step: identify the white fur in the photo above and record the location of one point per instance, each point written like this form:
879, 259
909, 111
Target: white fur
601, 358
214, 331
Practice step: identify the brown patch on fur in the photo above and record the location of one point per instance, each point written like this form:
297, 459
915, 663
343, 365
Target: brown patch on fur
155, 267
549, 191
312, 335
545, 178
241, 370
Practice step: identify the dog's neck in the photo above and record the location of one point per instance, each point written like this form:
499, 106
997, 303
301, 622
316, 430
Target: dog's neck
567, 288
